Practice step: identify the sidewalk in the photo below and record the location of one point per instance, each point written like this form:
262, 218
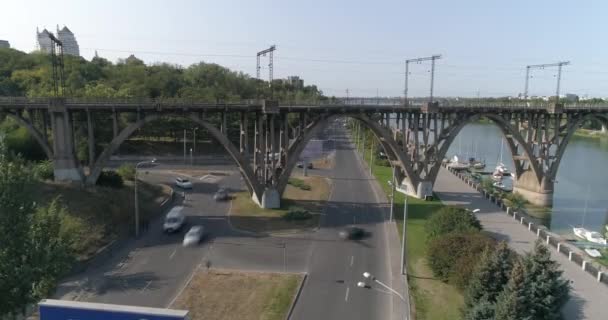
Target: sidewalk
587, 295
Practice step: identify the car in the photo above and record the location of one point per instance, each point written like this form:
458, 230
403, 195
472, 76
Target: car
174, 220
183, 183
300, 164
194, 236
309, 165
221, 195
352, 233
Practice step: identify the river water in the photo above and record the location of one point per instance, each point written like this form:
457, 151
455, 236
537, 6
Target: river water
581, 191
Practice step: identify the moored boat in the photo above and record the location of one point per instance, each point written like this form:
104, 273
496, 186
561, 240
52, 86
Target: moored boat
591, 236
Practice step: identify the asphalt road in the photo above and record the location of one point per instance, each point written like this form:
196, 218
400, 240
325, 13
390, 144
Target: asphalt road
151, 271
337, 265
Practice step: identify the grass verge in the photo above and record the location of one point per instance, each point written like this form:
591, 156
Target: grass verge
247, 215
103, 213
230, 295
432, 298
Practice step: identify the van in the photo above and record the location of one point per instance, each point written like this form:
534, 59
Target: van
174, 220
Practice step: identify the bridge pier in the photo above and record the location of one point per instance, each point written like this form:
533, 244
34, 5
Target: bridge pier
604, 129
66, 167
540, 194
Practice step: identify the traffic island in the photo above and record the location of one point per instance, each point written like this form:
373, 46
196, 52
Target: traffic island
232, 295
301, 207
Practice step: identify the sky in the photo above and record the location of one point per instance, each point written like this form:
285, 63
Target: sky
355, 45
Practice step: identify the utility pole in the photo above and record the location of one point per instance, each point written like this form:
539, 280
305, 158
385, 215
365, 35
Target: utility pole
392, 194
420, 60
184, 146
403, 269
347, 94
371, 157
543, 66
270, 65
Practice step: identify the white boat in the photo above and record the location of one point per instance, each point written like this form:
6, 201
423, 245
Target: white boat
590, 236
593, 253
500, 167
457, 165
501, 186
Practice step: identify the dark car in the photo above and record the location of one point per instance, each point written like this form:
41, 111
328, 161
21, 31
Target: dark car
352, 233
309, 165
221, 195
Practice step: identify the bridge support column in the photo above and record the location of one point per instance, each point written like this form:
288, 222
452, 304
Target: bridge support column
271, 199
66, 167
424, 190
604, 129
540, 194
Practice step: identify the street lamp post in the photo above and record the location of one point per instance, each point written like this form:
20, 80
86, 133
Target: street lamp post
392, 195
137, 197
194, 139
369, 276
191, 158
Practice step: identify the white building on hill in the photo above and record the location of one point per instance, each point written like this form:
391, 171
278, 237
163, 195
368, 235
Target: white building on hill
70, 45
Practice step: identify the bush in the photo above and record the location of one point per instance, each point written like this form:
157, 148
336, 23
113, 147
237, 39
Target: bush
383, 162
43, 170
299, 183
453, 257
297, 214
449, 220
127, 171
516, 200
110, 179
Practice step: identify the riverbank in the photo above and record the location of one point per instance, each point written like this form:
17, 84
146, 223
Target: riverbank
431, 298
586, 133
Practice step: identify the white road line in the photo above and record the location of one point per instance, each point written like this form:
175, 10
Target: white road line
172, 253
352, 260
146, 287
346, 297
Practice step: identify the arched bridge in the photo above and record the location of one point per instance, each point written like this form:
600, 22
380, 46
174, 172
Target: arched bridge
415, 136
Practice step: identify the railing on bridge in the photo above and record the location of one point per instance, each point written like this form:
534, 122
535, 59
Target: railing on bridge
325, 103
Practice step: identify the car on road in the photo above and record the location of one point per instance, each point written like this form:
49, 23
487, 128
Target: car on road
221, 195
352, 233
300, 164
194, 236
183, 183
174, 220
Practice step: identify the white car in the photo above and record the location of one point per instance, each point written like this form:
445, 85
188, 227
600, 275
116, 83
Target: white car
183, 183
194, 236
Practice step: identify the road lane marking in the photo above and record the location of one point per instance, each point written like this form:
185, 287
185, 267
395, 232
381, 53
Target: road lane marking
352, 260
346, 297
172, 253
146, 287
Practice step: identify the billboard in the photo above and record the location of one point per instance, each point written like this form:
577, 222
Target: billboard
74, 310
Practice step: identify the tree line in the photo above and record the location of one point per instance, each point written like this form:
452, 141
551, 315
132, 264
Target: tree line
23, 74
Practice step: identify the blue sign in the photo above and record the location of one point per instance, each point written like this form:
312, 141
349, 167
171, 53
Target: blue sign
73, 310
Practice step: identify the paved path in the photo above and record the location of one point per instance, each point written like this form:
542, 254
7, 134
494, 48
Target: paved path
589, 298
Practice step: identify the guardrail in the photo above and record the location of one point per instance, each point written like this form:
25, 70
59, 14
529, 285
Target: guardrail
339, 103
554, 240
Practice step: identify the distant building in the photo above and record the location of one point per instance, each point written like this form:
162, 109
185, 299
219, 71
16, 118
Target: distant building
4, 44
43, 41
70, 45
571, 97
295, 81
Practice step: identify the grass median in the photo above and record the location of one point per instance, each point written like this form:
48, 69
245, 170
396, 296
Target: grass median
230, 295
431, 298
247, 215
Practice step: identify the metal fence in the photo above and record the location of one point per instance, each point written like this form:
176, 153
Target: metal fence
551, 239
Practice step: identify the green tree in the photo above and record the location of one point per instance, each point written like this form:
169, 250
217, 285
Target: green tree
453, 257
451, 219
512, 303
489, 278
127, 171
547, 291
483, 310
49, 252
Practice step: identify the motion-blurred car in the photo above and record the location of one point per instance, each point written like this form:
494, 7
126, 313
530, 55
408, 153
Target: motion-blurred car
351, 233
194, 236
301, 165
183, 183
221, 195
